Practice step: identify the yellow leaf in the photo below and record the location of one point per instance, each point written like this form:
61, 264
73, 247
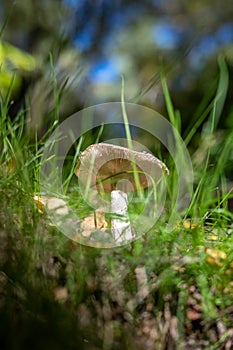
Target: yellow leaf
19, 59
213, 238
188, 224
210, 260
215, 253
215, 256
39, 205
13, 64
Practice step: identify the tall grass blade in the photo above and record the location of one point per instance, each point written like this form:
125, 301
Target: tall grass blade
129, 140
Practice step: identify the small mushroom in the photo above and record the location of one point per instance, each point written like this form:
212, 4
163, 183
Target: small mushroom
118, 170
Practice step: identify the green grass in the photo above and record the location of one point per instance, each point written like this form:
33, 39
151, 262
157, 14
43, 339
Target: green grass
130, 296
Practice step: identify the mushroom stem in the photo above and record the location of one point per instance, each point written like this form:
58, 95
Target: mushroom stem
120, 226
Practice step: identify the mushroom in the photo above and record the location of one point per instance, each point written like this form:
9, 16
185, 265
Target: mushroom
118, 170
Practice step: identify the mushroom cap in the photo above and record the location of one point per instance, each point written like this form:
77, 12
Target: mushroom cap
106, 164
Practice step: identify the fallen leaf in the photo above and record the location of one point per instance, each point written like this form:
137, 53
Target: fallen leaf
93, 222
216, 253
54, 204
178, 268
142, 282
213, 238
213, 261
39, 204
187, 224
8, 167
215, 256
61, 294
193, 315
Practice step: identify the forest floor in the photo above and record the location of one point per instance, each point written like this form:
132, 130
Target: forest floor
163, 291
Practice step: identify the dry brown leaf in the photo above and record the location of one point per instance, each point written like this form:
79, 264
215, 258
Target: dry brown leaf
39, 204
9, 167
92, 223
142, 282
178, 268
61, 294
193, 315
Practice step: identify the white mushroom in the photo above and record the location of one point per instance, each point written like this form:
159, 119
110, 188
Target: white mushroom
118, 170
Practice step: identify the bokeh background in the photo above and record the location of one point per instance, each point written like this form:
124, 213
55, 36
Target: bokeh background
88, 44
58, 57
